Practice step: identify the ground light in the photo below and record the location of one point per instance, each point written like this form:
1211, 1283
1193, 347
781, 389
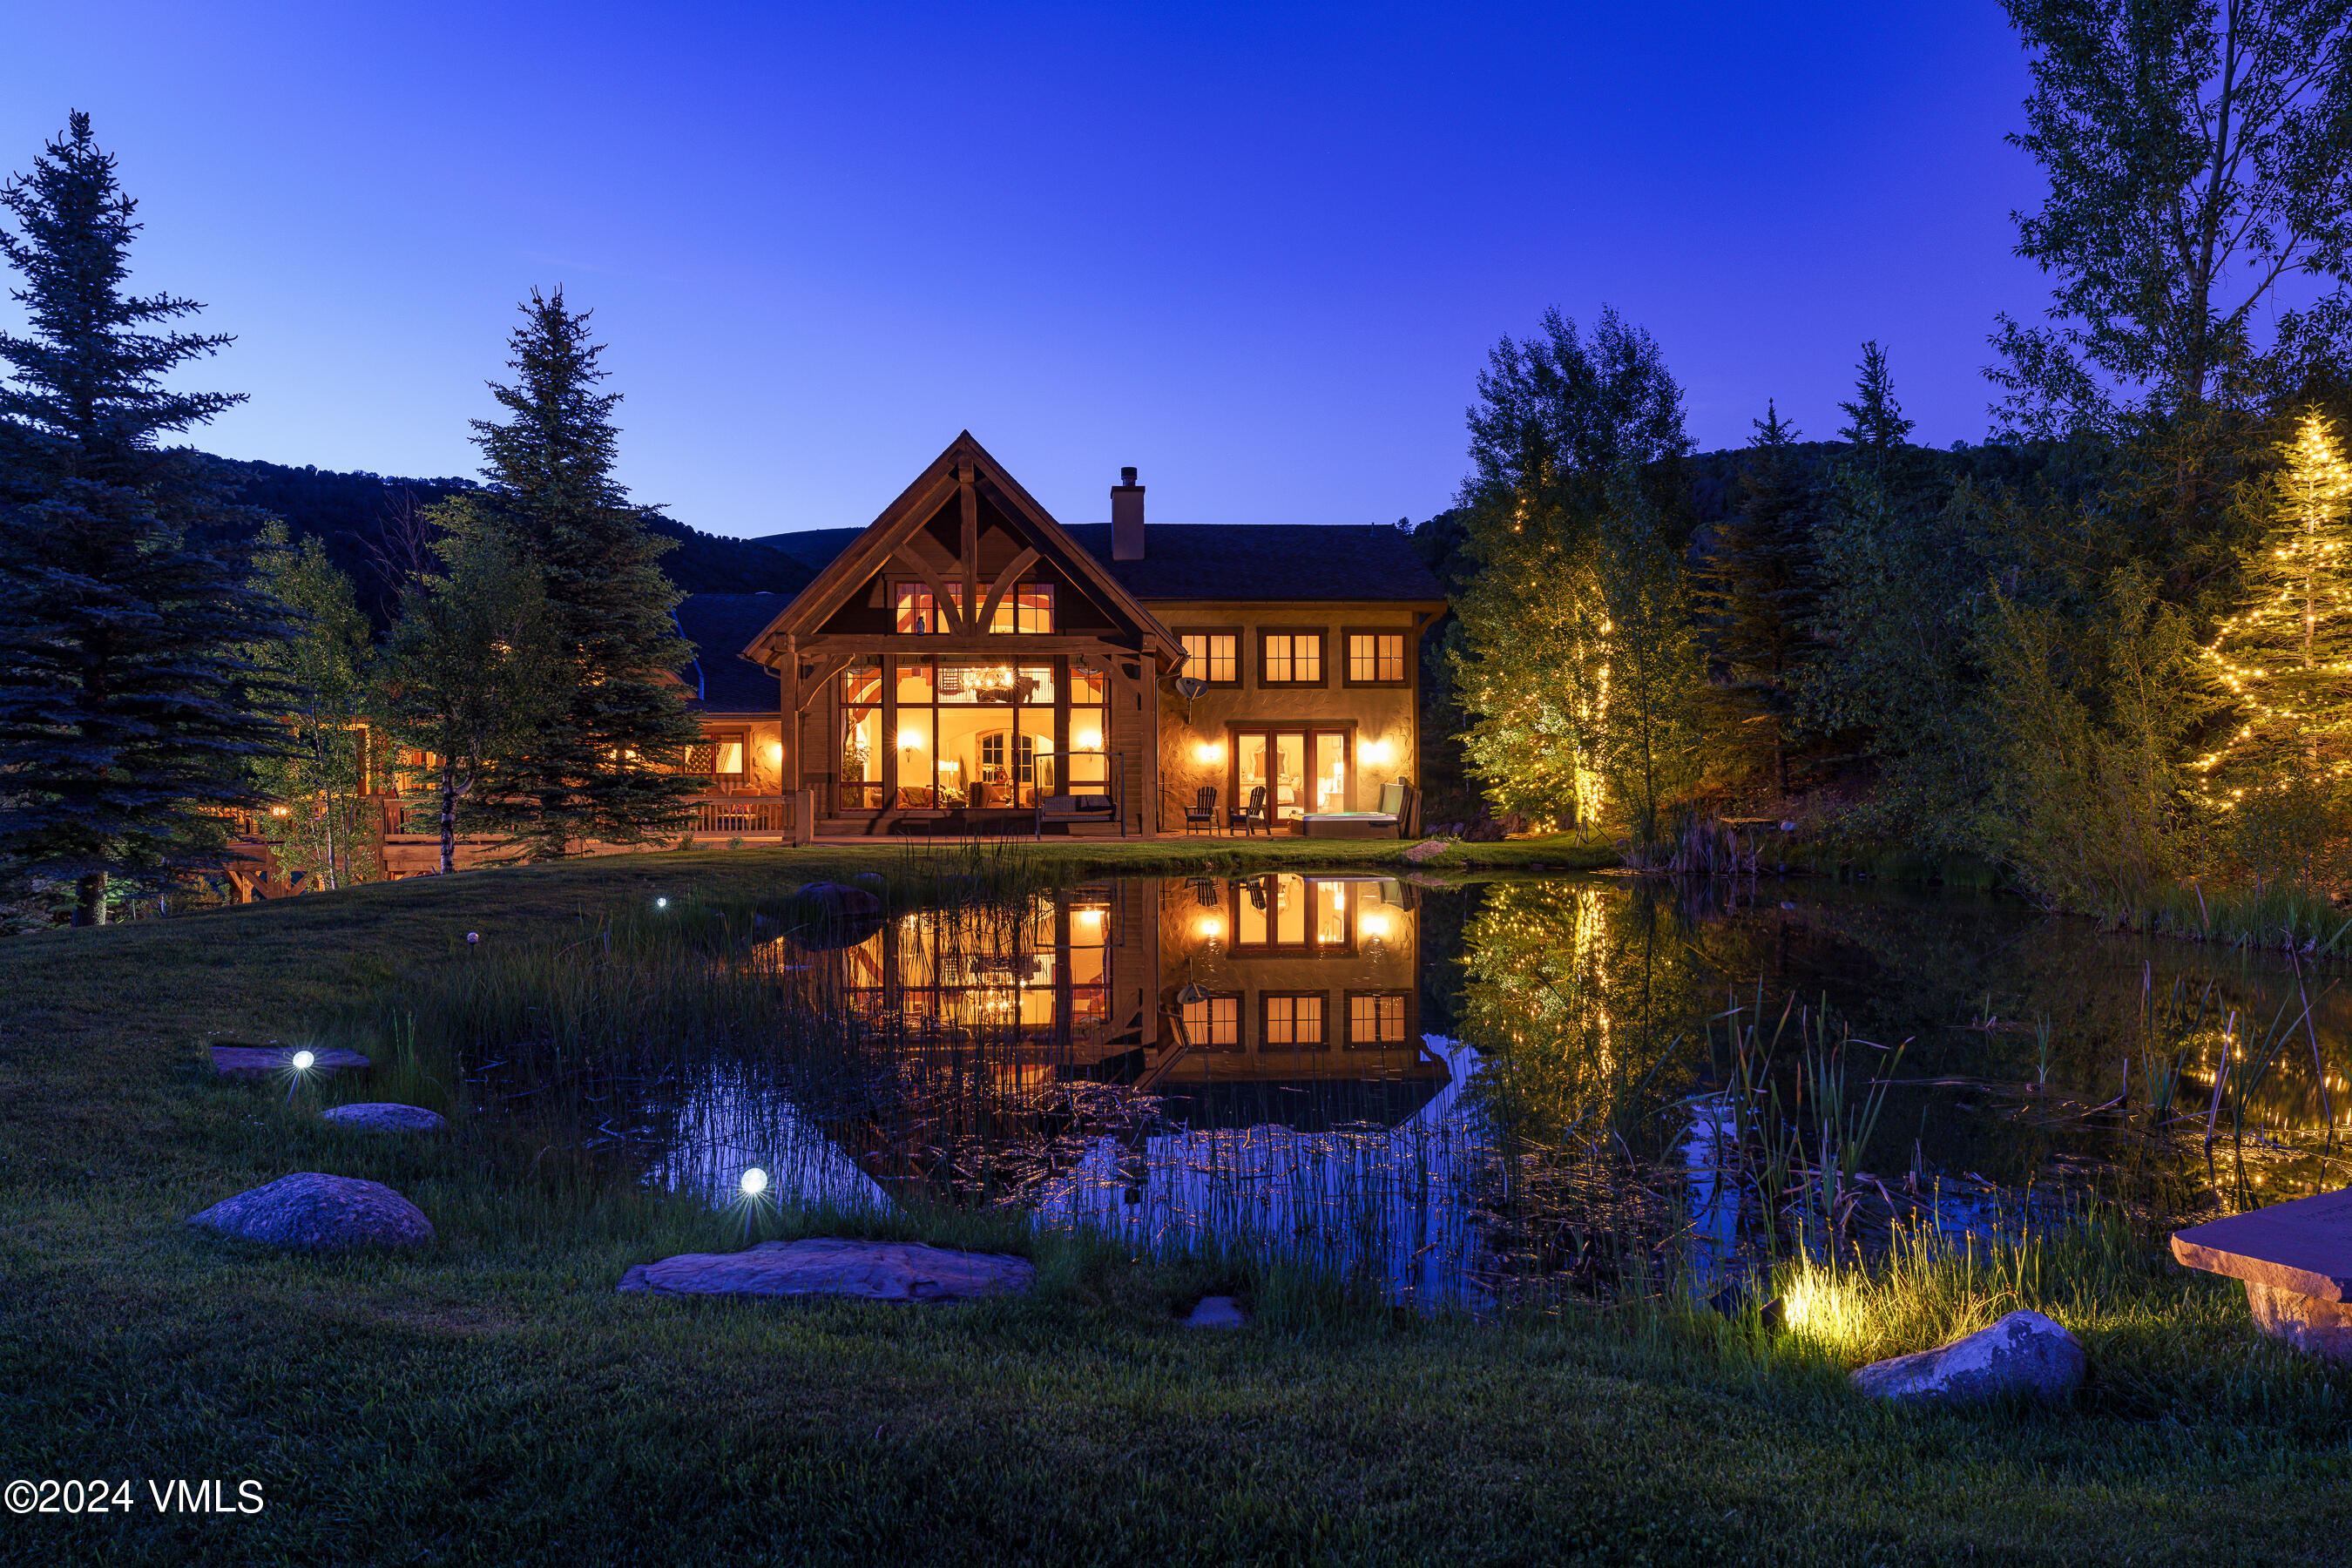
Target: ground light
754, 1181
661, 903
299, 1067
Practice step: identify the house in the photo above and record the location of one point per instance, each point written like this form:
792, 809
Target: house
966, 658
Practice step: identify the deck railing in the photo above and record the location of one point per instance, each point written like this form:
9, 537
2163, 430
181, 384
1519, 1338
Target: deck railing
709, 813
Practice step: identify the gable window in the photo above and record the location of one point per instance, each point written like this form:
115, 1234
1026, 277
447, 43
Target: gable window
1215, 656
1376, 658
1026, 607
1290, 658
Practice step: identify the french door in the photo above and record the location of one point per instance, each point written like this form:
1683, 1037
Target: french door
1300, 769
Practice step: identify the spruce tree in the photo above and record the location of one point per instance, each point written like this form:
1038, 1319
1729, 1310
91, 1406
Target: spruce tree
128, 720
602, 767
1761, 591
2284, 657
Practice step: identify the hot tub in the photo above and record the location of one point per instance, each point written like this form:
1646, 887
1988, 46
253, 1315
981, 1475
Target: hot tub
1349, 825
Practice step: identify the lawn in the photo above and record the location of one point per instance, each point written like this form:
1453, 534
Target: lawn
495, 1401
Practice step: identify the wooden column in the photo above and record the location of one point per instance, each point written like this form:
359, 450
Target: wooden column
788, 769
969, 495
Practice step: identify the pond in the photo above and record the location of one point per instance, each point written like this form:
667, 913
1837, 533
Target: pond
1510, 1089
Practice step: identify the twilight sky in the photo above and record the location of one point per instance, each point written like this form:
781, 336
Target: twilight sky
1259, 252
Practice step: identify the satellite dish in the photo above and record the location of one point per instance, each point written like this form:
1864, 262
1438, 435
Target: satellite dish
1189, 687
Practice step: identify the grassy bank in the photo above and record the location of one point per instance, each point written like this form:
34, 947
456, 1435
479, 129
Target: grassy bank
493, 1401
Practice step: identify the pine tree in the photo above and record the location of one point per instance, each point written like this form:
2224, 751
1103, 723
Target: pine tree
2286, 656
1762, 590
319, 781
602, 767
128, 720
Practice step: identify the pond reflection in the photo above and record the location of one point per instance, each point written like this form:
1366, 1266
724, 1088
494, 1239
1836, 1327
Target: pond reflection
1513, 1088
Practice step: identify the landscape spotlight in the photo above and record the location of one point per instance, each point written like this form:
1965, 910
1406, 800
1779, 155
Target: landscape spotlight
302, 1061
661, 903
754, 1181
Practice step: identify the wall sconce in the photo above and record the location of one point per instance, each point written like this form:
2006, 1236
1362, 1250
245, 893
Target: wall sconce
910, 740
1375, 753
1209, 752
1208, 928
1090, 742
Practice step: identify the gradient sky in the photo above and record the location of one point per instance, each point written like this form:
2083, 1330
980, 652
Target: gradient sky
1258, 251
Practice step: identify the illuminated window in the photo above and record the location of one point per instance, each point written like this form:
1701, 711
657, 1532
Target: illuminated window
1291, 658
1376, 1018
717, 755
1214, 657
1026, 608
1375, 658
1294, 1020
1214, 1021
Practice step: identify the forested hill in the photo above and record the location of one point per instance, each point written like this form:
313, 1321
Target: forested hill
351, 513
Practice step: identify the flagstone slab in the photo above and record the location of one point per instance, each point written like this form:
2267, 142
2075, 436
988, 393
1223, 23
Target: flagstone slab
2304, 1247
383, 1116
278, 1061
831, 1266
312, 1212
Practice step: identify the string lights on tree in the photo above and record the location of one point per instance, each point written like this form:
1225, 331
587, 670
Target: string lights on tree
2286, 656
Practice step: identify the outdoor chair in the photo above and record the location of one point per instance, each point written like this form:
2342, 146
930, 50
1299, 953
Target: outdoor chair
1203, 809
1253, 816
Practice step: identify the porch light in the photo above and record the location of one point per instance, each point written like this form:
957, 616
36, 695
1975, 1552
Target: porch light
1209, 928
1375, 754
1373, 926
1209, 752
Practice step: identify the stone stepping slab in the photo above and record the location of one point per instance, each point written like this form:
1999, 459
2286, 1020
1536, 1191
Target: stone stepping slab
382, 1116
278, 1061
2295, 1259
312, 1212
831, 1266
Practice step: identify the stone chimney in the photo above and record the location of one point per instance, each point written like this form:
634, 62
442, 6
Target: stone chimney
1126, 517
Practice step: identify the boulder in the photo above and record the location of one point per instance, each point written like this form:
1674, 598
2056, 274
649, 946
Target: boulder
2024, 1354
382, 1116
278, 1061
1217, 1313
308, 1211
895, 1271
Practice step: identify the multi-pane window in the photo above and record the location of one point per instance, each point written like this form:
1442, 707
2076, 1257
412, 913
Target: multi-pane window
1214, 657
1291, 658
1026, 607
1376, 1018
1214, 1021
1375, 657
719, 755
1294, 1020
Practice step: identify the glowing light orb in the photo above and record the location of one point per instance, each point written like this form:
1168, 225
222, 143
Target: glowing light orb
754, 1181
302, 1061
661, 903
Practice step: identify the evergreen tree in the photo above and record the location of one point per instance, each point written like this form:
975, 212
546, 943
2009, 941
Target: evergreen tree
2285, 658
602, 767
1761, 592
474, 671
319, 781
128, 705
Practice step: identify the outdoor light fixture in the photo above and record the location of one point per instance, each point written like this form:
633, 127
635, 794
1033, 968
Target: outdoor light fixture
1375, 754
1374, 926
302, 1061
661, 903
473, 939
754, 1181
1209, 928
1209, 752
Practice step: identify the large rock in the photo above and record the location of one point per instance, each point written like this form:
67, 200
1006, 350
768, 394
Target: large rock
2023, 1355
382, 1116
278, 1061
310, 1212
895, 1271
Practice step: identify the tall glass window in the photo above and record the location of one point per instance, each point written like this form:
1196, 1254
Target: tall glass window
969, 732
862, 755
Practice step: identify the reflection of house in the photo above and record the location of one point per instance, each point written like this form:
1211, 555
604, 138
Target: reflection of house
966, 654
1274, 998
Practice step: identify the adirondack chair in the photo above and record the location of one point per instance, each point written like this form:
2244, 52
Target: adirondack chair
1203, 809
1253, 816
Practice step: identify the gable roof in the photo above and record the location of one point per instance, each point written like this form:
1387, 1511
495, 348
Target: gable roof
1269, 561
720, 680
871, 548
1227, 560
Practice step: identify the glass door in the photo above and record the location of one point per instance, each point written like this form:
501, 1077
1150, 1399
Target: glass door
1300, 769
1331, 785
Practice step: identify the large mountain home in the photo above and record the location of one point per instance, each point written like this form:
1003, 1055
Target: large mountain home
967, 664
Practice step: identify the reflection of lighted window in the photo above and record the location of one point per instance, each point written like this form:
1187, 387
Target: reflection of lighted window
1284, 911
1376, 1020
1214, 1021
1294, 1020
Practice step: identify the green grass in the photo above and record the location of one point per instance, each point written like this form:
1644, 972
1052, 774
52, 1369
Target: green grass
494, 1401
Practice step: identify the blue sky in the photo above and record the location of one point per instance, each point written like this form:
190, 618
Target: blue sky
1259, 252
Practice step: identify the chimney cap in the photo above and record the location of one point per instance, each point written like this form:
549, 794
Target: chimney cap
1127, 476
